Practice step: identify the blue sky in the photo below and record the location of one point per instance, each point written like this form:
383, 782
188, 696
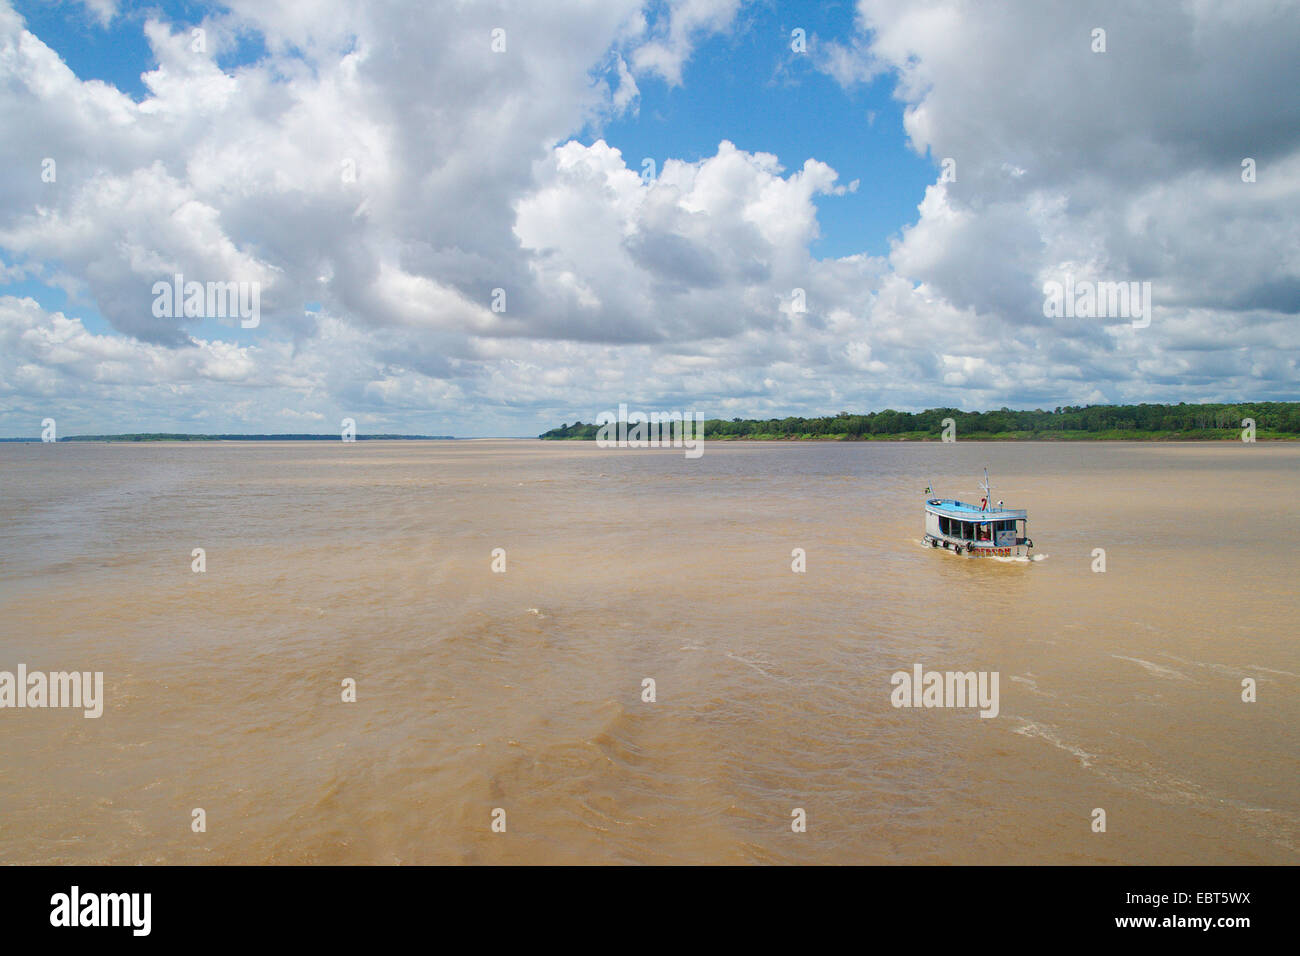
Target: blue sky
853, 275
117, 52
751, 88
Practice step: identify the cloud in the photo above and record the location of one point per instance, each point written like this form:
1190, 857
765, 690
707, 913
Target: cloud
705, 249
1126, 164
103, 11
672, 38
1117, 166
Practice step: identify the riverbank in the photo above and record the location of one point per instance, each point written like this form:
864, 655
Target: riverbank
1146, 422
1069, 436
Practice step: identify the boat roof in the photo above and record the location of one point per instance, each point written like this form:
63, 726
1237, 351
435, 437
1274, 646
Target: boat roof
952, 508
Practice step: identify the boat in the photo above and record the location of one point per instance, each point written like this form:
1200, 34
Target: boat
981, 531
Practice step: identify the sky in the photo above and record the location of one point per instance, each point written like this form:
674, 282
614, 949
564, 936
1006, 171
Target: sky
491, 218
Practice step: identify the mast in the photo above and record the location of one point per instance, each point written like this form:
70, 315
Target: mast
988, 495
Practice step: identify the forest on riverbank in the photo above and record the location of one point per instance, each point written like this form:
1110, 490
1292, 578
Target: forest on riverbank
1181, 422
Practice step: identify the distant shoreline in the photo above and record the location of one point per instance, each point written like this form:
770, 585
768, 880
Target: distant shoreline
140, 438
1266, 421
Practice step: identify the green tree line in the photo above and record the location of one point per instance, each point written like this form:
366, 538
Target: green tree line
1181, 421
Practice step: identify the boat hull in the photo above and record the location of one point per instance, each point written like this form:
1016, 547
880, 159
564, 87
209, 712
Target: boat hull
978, 549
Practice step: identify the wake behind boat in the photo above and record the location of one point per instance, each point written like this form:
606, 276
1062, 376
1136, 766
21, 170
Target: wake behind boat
978, 530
